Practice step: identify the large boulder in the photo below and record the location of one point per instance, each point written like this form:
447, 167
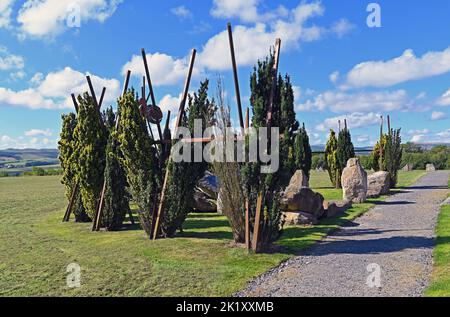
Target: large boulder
202, 203
378, 184
208, 184
430, 168
304, 200
333, 208
299, 218
297, 182
354, 182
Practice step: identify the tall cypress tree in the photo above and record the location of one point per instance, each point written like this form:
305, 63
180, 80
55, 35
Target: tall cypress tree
303, 152
116, 200
138, 158
270, 185
184, 176
345, 149
91, 136
67, 146
393, 155
331, 160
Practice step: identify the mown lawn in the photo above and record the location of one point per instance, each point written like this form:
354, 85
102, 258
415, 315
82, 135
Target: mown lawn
440, 285
36, 248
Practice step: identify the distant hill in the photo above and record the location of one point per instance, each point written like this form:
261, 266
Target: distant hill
13, 155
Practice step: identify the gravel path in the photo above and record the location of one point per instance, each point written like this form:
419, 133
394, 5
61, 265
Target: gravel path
397, 236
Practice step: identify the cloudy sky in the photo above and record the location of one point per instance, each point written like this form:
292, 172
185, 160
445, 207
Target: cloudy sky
341, 67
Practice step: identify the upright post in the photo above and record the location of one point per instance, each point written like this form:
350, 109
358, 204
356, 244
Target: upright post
235, 73
160, 214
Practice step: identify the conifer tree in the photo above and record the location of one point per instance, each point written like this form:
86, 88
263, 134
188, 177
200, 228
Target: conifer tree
184, 176
393, 155
270, 185
116, 200
345, 149
331, 160
91, 137
138, 158
303, 152
67, 156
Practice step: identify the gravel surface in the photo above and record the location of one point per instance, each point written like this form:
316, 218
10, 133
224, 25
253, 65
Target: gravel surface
397, 236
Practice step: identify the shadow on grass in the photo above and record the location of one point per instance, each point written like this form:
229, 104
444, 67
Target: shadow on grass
215, 235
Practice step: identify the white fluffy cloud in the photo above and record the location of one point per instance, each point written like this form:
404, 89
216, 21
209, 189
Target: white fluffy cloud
5, 13
38, 132
431, 138
170, 103
164, 69
342, 28
182, 12
9, 61
252, 43
244, 10
338, 101
445, 99
47, 18
354, 120
53, 92
25, 142
398, 70
438, 115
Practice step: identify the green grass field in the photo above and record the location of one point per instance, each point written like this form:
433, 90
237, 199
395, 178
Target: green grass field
36, 248
440, 285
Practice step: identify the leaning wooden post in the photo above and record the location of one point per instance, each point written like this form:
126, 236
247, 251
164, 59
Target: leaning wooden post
99, 213
235, 73
150, 87
155, 230
269, 125
389, 124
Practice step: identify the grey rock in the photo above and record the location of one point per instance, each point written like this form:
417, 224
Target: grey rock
299, 218
354, 182
208, 184
203, 203
430, 168
304, 200
333, 208
378, 184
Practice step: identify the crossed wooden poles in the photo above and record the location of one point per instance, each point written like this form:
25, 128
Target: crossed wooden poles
158, 214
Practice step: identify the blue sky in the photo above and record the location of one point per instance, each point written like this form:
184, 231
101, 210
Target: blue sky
341, 68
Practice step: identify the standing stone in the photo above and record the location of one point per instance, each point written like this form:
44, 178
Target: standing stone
407, 168
208, 184
297, 182
430, 168
354, 182
378, 184
304, 200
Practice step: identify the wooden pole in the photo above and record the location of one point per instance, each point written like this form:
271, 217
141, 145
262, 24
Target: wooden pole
155, 230
99, 212
269, 125
235, 74
389, 124
274, 82
247, 119
102, 96
247, 225
91, 88
150, 87
257, 221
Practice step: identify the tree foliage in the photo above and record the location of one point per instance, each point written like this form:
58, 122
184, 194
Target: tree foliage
393, 155
138, 158
331, 160
303, 152
184, 176
116, 199
345, 148
270, 185
67, 146
91, 137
